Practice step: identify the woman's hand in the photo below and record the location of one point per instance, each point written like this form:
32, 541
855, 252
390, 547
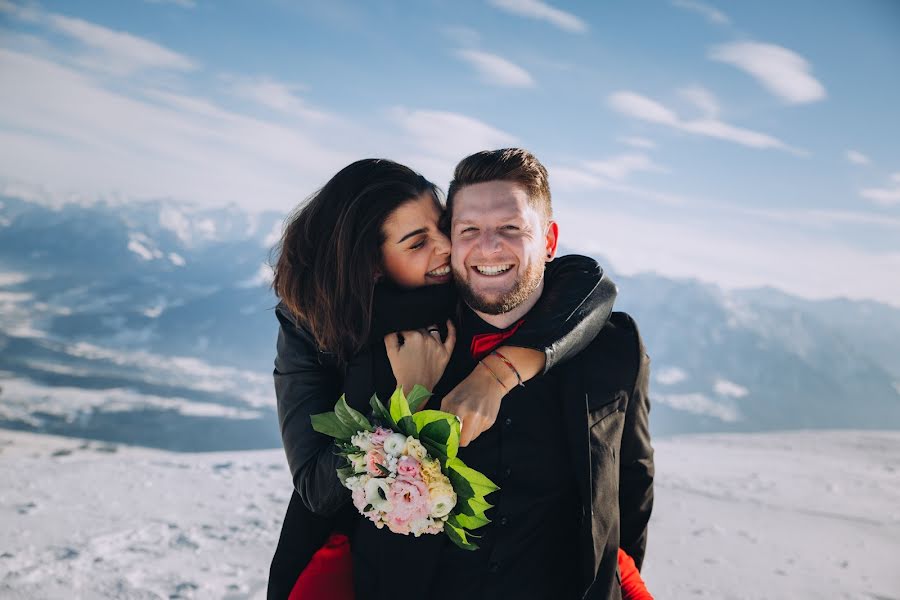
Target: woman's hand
419, 356
476, 399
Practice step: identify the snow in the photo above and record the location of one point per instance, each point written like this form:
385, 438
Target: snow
785, 515
29, 402
11, 278
143, 246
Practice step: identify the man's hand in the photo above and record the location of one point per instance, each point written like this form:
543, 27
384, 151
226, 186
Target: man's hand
419, 356
476, 401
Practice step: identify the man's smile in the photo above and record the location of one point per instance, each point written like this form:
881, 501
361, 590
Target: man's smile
492, 270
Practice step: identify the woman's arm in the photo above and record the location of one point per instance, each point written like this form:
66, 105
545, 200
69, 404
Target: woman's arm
574, 306
304, 387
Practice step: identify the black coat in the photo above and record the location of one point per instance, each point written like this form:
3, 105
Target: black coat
576, 303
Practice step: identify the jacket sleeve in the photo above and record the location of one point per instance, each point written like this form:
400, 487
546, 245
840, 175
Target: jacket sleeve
636, 468
576, 302
304, 387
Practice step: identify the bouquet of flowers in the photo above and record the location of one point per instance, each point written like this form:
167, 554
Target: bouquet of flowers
403, 471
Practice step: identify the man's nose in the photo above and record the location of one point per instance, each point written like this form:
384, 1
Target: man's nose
489, 242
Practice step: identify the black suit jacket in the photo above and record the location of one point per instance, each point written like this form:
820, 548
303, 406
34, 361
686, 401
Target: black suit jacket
308, 382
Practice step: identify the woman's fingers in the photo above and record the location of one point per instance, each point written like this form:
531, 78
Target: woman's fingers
450, 342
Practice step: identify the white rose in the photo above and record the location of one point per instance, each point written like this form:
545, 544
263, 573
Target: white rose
442, 502
376, 493
395, 444
362, 441
358, 462
415, 449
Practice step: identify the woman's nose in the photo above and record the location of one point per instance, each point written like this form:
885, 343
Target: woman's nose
442, 245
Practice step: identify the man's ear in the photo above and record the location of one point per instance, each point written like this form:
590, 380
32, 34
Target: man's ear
552, 238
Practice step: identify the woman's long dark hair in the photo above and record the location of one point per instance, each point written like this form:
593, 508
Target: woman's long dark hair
330, 251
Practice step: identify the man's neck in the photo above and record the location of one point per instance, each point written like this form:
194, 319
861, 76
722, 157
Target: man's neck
504, 320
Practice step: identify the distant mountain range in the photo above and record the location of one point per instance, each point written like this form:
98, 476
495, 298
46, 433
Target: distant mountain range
151, 323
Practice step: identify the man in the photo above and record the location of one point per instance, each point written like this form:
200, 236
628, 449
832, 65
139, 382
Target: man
571, 450
555, 530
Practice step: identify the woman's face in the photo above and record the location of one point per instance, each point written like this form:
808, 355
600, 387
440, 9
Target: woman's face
415, 251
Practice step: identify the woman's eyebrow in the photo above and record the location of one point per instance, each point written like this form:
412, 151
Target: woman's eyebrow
412, 233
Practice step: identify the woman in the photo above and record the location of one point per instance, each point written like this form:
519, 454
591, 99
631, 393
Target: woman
365, 257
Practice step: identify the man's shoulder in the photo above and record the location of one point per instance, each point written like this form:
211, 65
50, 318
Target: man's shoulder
616, 351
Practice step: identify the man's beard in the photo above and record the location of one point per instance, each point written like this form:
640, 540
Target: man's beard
521, 290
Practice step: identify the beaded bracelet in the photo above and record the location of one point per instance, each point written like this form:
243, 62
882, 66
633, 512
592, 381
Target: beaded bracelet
500, 381
507, 362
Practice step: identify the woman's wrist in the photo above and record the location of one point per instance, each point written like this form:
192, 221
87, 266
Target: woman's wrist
500, 372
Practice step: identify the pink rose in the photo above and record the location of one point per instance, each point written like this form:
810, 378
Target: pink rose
359, 498
375, 457
380, 435
397, 525
409, 499
408, 466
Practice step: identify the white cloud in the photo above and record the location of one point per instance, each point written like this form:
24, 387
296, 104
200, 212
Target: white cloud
462, 36
885, 196
857, 158
670, 375
723, 387
275, 95
735, 252
496, 70
181, 3
699, 404
121, 52
643, 108
637, 142
159, 145
622, 166
448, 134
783, 72
703, 99
536, 9
713, 15
578, 180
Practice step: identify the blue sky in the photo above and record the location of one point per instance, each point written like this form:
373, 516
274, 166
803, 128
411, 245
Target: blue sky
743, 144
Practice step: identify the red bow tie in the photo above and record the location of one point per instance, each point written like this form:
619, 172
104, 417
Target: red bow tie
484, 343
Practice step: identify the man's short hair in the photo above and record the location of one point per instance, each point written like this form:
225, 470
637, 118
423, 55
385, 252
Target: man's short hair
507, 164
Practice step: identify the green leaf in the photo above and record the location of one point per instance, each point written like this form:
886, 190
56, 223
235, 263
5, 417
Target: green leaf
471, 482
399, 407
424, 417
384, 470
458, 536
436, 451
329, 424
350, 417
436, 431
407, 426
343, 473
417, 397
473, 507
470, 522
382, 412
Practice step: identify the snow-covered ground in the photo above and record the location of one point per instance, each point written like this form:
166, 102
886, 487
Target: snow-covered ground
787, 515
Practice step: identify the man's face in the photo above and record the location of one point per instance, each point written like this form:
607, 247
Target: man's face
500, 245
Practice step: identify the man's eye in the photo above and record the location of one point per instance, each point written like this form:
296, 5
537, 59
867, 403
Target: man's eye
469, 229
510, 228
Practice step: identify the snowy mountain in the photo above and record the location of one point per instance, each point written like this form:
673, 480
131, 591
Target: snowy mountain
151, 323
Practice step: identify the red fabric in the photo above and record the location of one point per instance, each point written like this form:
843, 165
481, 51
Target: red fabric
483, 343
329, 574
633, 587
